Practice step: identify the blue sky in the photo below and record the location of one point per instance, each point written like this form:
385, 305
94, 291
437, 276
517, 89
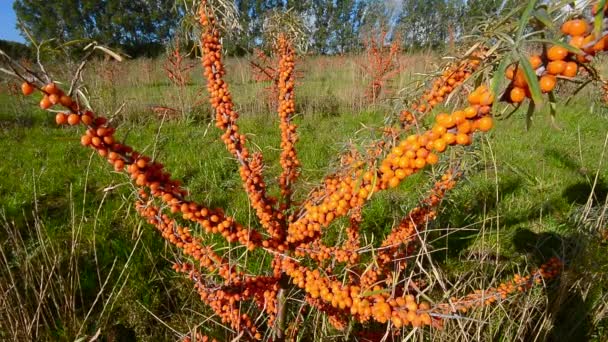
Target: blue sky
8, 20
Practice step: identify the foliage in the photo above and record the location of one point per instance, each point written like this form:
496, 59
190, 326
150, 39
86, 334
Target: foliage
138, 27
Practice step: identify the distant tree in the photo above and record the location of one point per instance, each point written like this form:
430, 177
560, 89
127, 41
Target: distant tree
429, 23
139, 27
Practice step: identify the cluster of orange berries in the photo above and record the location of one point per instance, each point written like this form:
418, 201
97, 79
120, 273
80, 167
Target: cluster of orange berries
287, 106
454, 76
416, 151
557, 61
145, 173
226, 120
362, 304
409, 156
346, 253
547, 271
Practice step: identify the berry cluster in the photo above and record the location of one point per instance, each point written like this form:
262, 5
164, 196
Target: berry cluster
451, 78
287, 108
557, 61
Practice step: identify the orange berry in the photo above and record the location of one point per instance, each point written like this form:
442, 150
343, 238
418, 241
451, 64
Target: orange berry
65, 100
486, 99
45, 103
547, 83
450, 138
51, 88
463, 139
470, 112
510, 72
439, 145
577, 41
571, 69
73, 119
566, 27
86, 119
432, 159
61, 118
520, 79
517, 94
557, 53
85, 140
485, 124
27, 88
535, 61
577, 27
556, 67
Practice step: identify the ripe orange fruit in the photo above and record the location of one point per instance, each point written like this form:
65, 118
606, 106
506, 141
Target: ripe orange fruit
54, 98
577, 41
27, 89
557, 53
510, 72
65, 100
470, 112
439, 145
556, 67
85, 140
86, 119
474, 97
45, 103
571, 69
432, 159
535, 61
485, 124
61, 118
449, 138
465, 127
578, 27
463, 139
547, 83
566, 27
486, 99
73, 119
517, 94
520, 79
51, 88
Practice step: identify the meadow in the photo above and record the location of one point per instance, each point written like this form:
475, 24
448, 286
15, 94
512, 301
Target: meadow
77, 261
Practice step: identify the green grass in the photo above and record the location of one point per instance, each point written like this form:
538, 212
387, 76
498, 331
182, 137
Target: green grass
519, 200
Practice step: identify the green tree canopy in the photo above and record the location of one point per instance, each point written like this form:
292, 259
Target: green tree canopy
139, 27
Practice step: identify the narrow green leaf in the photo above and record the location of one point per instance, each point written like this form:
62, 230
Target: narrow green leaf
523, 22
599, 18
529, 114
537, 95
542, 16
499, 76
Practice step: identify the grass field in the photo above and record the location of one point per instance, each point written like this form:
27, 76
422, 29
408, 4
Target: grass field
76, 259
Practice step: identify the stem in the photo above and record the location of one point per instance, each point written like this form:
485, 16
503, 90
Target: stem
279, 326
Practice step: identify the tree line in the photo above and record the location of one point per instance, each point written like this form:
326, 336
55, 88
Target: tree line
143, 27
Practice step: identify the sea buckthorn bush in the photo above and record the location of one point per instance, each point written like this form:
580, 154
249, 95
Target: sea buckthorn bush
358, 287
